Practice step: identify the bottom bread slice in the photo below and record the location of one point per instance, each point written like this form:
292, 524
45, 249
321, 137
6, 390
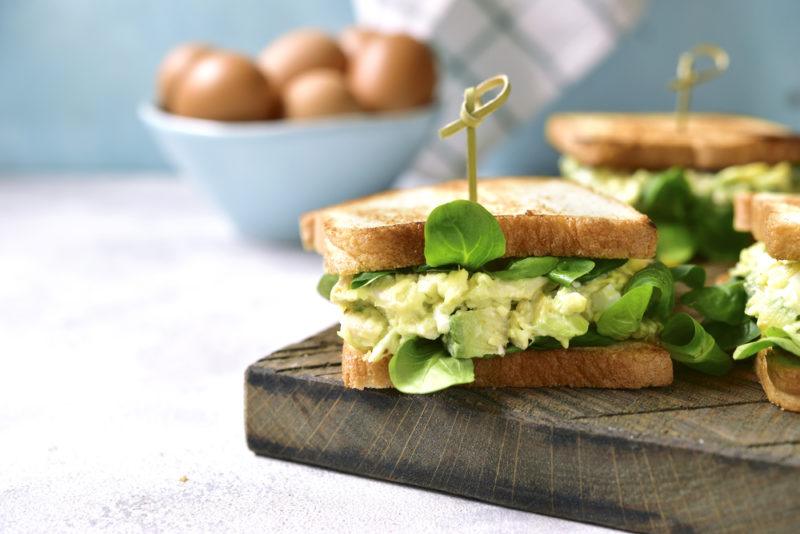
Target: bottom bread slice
779, 397
625, 365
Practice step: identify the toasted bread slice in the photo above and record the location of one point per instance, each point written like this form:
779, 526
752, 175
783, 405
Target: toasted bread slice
625, 365
780, 383
742, 212
652, 141
539, 217
774, 219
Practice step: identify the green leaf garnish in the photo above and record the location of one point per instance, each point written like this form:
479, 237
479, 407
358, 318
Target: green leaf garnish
325, 285
660, 279
723, 302
464, 233
666, 197
623, 318
688, 343
728, 336
601, 267
424, 366
773, 337
676, 244
570, 269
526, 268
650, 291
712, 226
365, 279
693, 276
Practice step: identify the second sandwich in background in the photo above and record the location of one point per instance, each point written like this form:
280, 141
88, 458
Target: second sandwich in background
684, 180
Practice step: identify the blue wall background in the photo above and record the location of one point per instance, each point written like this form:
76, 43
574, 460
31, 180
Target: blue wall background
72, 72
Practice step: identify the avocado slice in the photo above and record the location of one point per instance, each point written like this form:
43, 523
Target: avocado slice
477, 333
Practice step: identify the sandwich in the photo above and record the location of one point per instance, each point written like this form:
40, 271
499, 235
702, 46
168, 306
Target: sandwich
769, 271
544, 283
684, 180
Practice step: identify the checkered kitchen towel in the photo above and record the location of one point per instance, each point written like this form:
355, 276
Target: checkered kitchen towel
542, 45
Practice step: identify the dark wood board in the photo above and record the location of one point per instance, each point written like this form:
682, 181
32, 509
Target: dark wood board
703, 454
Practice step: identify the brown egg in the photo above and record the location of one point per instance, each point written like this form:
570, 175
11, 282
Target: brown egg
393, 72
228, 87
174, 67
354, 38
298, 52
318, 93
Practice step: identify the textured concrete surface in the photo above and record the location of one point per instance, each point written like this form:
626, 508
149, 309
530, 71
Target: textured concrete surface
129, 311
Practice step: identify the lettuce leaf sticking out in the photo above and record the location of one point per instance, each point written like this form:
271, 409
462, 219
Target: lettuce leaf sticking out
527, 268
623, 318
365, 279
570, 269
676, 243
728, 336
689, 343
692, 276
424, 366
723, 303
325, 285
650, 292
464, 233
773, 337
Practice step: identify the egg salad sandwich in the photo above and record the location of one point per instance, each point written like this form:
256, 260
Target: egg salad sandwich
685, 180
769, 272
542, 283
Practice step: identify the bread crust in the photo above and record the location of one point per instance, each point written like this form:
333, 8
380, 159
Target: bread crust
778, 393
773, 219
651, 141
625, 365
539, 217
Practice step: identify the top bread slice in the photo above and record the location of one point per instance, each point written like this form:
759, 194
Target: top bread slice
652, 141
539, 217
773, 219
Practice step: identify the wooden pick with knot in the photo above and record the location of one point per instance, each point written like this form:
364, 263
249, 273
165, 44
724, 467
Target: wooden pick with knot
688, 78
472, 114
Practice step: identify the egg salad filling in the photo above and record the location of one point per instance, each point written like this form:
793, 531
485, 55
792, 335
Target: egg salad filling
693, 210
475, 313
773, 289
720, 187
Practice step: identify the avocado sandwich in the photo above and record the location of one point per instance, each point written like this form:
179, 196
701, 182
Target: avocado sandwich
684, 179
770, 273
544, 283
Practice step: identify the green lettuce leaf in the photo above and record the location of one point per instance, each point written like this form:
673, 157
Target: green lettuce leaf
728, 336
773, 337
601, 267
689, 343
659, 277
464, 233
692, 276
325, 285
712, 226
590, 339
623, 318
676, 243
526, 268
424, 366
570, 269
723, 302
666, 197
365, 279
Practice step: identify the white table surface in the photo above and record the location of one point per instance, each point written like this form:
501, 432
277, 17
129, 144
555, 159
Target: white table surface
129, 311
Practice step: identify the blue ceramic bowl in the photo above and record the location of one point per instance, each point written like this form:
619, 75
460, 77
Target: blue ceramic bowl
265, 174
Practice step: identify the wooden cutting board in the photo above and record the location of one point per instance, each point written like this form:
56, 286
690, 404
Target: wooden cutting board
704, 454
